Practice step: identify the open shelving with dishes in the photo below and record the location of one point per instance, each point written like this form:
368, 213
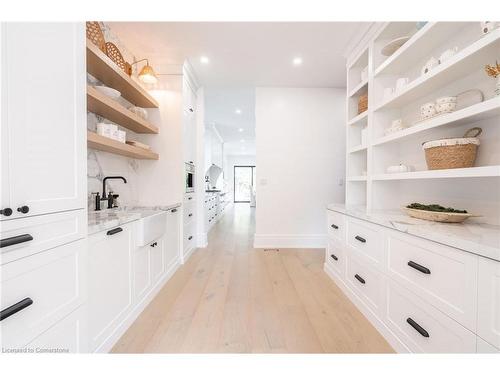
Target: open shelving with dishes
396, 125
102, 68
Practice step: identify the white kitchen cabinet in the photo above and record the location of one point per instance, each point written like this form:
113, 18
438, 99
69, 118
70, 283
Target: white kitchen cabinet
110, 284
483, 347
142, 271
172, 245
41, 290
488, 322
157, 260
69, 335
43, 119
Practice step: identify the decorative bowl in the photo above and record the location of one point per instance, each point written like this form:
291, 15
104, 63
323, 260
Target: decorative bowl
441, 217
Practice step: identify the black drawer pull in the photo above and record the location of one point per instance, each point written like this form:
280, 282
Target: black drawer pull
190, 238
15, 308
334, 257
114, 231
15, 240
360, 279
417, 327
360, 239
190, 198
190, 215
334, 226
173, 210
418, 267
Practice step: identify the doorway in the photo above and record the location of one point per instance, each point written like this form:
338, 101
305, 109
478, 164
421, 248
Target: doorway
244, 179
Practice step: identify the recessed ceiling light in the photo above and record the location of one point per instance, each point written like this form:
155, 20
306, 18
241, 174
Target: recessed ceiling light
240, 130
242, 140
297, 61
238, 111
204, 60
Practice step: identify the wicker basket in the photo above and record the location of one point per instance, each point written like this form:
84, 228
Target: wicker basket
453, 152
94, 33
115, 55
362, 103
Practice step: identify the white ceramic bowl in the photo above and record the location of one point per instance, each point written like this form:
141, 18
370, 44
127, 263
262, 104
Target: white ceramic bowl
109, 92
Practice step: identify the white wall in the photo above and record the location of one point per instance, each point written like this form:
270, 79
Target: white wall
229, 162
300, 142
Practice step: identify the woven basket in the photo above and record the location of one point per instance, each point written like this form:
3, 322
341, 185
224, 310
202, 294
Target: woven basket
94, 33
362, 103
115, 55
454, 152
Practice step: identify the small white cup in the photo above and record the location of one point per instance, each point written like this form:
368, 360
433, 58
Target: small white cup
398, 123
428, 110
401, 83
388, 91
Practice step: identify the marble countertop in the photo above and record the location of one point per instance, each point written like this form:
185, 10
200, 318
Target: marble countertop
111, 218
475, 237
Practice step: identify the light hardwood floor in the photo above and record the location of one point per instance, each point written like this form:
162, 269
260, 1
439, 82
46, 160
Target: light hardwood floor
233, 298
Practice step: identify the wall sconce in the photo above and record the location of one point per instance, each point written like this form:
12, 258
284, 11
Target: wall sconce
147, 74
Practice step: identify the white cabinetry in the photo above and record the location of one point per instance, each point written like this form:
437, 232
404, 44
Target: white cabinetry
421, 295
172, 245
40, 291
43, 118
110, 284
488, 317
189, 232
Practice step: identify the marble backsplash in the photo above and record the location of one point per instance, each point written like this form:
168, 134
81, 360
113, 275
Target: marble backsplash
101, 164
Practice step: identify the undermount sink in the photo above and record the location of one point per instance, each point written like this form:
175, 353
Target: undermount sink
151, 226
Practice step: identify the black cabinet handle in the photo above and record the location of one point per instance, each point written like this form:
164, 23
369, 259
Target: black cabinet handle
15, 240
15, 308
189, 198
334, 257
417, 327
190, 238
360, 239
334, 226
6, 211
114, 231
173, 210
190, 215
360, 279
23, 209
191, 110
154, 244
418, 267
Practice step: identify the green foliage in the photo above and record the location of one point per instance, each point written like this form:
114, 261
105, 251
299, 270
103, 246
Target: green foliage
435, 208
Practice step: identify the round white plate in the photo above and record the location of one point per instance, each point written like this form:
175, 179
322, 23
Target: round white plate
394, 45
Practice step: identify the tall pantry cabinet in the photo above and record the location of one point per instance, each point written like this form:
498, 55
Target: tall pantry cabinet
43, 186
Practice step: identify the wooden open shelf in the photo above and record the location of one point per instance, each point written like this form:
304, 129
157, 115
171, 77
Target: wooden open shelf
101, 67
106, 107
101, 143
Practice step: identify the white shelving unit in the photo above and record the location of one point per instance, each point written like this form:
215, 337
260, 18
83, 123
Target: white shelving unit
476, 189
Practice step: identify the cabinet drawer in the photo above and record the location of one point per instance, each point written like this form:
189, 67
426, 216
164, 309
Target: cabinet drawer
189, 197
336, 225
441, 275
335, 256
53, 280
189, 212
367, 239
366, 282
70, 335
189, 237
46, 231
423, 328
485, 348
488, 322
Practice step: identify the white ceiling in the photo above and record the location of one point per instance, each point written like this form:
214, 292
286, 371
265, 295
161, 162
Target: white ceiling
246, 54
220, 110
243, 55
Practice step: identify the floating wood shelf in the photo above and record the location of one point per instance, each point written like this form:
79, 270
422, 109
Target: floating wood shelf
101, 67
106, 107
101, 143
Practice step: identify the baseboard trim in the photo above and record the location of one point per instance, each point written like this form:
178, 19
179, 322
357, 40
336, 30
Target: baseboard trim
187, 254
392, 339
289, 241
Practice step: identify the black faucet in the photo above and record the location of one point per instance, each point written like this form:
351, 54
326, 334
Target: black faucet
110, 198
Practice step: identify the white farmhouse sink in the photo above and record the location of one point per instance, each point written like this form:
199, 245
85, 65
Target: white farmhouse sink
151, 226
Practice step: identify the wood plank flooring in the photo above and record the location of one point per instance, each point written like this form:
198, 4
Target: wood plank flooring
231, 298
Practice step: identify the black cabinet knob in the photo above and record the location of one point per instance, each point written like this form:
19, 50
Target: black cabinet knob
6, 211
23, 209
334, 226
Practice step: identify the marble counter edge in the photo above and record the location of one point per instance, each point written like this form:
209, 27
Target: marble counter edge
422, 229
106, 223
